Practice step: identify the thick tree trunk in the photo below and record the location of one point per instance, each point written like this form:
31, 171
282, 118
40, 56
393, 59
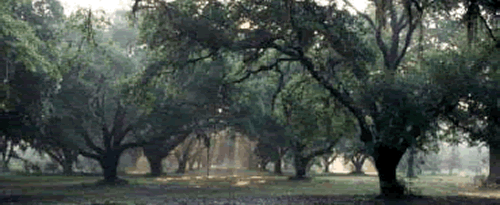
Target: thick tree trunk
155, 165
494, 176
67, 167
109, 165
386, 161
263, 164
277, 167
182, 167
301, 166
358, 167
327, 168
68, 161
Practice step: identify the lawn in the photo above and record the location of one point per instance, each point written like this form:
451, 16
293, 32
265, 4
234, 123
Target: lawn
233, 187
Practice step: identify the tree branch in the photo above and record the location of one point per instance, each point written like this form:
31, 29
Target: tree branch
490, 32
278, 89
411, 28
118, 139
377, 29
90, 155
326, 150
88, 141
201, 58
263, 68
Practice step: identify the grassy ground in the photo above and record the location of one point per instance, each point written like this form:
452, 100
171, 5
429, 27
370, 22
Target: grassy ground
234, 187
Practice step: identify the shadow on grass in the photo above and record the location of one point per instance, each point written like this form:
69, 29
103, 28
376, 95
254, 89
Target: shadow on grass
26, 198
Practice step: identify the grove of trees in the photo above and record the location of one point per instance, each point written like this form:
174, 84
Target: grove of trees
307, 79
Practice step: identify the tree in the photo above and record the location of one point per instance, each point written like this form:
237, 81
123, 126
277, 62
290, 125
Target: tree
339, 64
54, 142
482, 47
187, 151
201, 89
265, 153
453, 160
101, 121
357, 160
327, 160
28, 74
101, 127
7, 152
354, 153
312, 122
432, 162
272, 143
476, 111
155, 152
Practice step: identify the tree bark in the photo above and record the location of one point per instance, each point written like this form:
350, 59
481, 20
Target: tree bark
263, 164
358, 166
155, 165
69, 159
6, 156
327, 161
386, 161
301, 166
109, 165
157, 151
277, 167
411, 161
191, 164
67, 167
494, 176
182, 167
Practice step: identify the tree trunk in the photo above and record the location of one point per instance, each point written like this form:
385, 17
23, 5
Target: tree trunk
182, 167
494, 176
358, 166
6, 156
67, 167
109, 165
386, 161
277, 167
191, 164
4, 167
327, 162
155, 165
69, 159
411, 161
263, 164
199, 162
301, 166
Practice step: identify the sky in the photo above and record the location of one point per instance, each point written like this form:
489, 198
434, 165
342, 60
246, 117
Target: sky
110, 6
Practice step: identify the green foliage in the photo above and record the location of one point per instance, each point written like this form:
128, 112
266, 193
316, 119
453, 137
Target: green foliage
20, 43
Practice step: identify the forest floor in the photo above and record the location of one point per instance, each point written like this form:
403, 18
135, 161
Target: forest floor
228, 187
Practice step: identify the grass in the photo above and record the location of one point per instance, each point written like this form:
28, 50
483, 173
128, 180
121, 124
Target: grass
237, 184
